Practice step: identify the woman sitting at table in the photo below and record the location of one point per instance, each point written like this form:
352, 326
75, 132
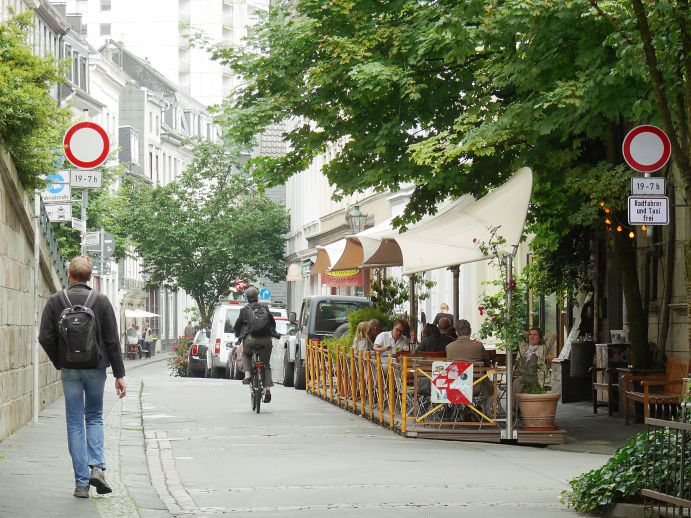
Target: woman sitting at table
432, 340
362, 341
530, 364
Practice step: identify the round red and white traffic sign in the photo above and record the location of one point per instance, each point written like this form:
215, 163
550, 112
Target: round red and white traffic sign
86, 145
646, 148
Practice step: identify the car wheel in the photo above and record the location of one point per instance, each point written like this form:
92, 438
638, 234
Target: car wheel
288, 371
298, 372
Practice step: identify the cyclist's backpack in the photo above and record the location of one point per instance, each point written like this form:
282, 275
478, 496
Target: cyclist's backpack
78, 334
258, 320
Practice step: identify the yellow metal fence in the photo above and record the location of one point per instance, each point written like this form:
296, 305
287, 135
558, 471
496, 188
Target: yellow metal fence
396, 392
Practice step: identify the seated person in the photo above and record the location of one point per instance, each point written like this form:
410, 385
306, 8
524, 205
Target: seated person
531, 359
443, 313
446, 330
391, 342
362, 342
466, 349
432, 340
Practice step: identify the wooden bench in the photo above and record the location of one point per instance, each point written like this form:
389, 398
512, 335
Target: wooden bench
671, 383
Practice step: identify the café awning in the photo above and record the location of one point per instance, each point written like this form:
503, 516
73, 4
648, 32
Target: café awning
453, 237
450, 237
139, 313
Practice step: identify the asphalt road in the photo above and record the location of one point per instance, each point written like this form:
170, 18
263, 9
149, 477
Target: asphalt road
302, 456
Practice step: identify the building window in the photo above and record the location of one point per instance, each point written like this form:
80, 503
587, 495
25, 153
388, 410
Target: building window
105, 5
158, 126
134, 146
151, 165
151, 122
105, 29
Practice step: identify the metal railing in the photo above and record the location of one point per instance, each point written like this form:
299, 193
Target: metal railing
396, 392
667, 489
52, 244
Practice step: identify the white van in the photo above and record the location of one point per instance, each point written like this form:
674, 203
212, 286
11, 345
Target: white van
222, 339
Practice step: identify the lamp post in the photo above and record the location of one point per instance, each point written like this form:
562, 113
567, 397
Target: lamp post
356, 219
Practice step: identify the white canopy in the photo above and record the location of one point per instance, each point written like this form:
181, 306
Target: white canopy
136, 313
453, 237
449, 238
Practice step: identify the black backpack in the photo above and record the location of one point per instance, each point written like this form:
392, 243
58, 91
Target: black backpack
78, 334
258, 321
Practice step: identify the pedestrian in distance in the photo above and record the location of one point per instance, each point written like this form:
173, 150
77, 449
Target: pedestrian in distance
189, 330
443, 313
254, 327
79, 334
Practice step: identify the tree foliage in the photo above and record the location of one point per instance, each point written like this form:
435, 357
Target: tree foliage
455, 96
205, 230
31, 124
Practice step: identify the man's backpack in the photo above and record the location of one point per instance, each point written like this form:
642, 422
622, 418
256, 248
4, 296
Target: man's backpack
78, 333
258, 320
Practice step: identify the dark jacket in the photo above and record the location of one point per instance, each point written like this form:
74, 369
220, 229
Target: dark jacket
109, 341
433, 344
240, 326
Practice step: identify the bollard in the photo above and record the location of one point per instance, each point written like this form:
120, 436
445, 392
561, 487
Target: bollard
392, 401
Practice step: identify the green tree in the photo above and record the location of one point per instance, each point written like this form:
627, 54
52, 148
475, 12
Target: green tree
454, 96
205, 230
31, 124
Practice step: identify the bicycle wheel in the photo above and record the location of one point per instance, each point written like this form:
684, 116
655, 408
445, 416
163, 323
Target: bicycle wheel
256, 391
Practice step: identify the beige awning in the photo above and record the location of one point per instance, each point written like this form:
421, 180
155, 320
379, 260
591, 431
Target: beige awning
453, 237
327, 256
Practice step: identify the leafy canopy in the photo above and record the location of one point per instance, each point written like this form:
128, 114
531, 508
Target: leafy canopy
455, 96
31, 124
205, 230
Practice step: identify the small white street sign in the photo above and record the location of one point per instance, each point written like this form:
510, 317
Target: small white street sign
58, 212
61, 197
93, 239
88, 179
79, 224
645, 210
648, 186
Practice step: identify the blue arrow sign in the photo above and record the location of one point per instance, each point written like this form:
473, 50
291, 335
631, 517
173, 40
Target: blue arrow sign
55, 183
265, 293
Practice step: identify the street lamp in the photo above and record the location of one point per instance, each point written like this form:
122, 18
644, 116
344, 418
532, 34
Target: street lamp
356, 219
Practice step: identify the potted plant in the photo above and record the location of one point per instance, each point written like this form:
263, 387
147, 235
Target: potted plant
508, 326
537, 405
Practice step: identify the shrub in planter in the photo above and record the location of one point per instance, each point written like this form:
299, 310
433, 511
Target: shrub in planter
624, 475
178, 358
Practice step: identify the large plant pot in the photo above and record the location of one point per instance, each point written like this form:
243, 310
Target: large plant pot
538, 410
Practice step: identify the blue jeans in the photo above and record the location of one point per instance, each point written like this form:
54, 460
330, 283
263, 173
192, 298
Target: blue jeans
83, 390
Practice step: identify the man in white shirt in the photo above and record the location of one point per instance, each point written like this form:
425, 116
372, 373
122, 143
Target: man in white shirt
391, 342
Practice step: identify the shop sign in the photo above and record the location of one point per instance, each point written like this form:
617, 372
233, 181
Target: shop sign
343, 278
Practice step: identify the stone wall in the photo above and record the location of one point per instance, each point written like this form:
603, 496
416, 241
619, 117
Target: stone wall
17, 330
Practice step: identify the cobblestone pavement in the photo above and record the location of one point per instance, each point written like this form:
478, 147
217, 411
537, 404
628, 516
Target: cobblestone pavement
36, 477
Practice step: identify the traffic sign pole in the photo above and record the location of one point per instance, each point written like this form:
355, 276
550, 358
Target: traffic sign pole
103, 255
85, 205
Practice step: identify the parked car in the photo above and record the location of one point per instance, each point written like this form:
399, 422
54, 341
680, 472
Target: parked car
320, 317
287, 341
222, 339
196, 366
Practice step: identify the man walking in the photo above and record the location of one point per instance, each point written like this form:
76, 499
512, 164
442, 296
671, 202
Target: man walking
80, 336
256, 325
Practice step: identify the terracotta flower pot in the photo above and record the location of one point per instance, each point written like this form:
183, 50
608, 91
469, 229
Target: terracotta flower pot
538, 410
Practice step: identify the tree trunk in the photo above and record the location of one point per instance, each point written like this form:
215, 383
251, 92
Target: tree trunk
203, 314
669, 272
638, 320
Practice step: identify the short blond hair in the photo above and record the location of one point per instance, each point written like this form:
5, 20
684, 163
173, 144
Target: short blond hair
444, 306
80, 268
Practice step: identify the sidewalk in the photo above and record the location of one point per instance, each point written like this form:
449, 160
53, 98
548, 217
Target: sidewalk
36, 477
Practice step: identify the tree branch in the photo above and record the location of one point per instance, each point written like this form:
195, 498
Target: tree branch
678, 155
611, 21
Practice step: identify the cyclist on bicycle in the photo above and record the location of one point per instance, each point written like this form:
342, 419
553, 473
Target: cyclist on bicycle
254, 327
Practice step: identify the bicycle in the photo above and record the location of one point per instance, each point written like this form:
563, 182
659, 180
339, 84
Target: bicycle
257, 383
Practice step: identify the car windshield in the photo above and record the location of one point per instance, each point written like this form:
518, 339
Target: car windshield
231, 316
201, 338
330, 315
